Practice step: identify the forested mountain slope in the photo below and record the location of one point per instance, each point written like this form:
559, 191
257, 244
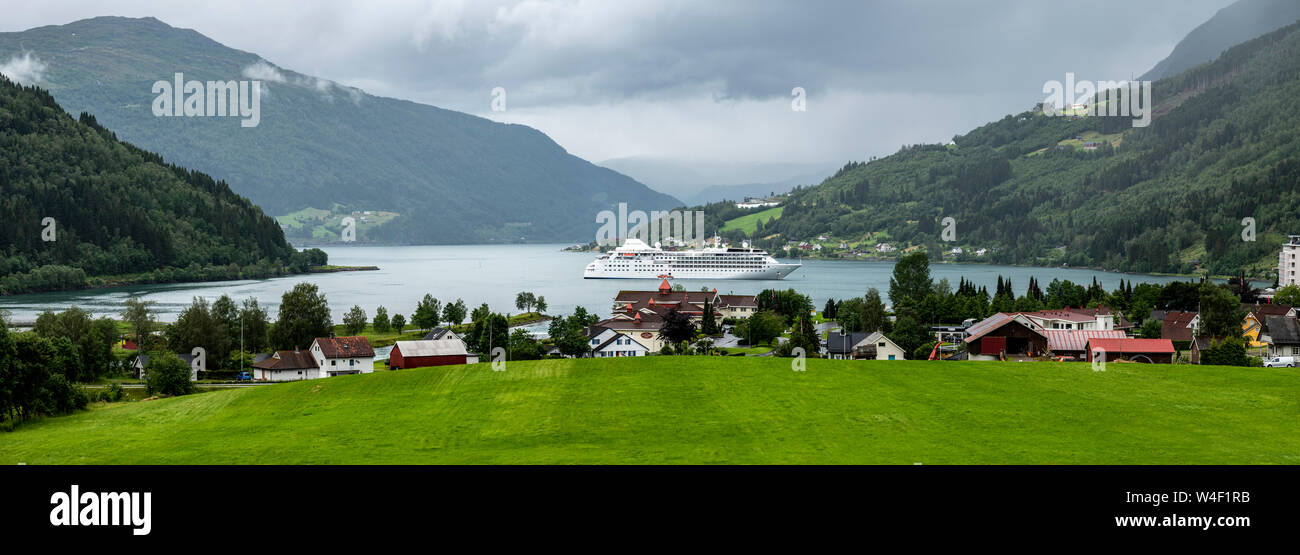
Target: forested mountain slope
1169, 197
116, 209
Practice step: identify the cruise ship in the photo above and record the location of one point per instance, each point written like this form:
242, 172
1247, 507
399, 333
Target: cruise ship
637, 260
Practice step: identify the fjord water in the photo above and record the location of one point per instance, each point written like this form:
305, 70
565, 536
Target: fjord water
494, 273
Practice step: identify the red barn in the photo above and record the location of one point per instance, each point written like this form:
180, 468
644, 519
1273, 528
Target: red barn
1151, 351
433, 352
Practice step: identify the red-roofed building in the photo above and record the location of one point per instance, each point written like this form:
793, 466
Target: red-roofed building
1005, 334
1157, 351
338, 356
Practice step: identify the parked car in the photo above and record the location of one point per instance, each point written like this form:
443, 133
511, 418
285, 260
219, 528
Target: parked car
245, 376
1278, 362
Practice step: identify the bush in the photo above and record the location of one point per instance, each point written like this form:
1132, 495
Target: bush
60, 396
168, 375
112, 394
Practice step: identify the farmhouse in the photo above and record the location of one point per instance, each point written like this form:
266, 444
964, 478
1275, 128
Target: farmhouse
862, 346
606, 342
1283, 336
1005, 334
1157, 351
1253, 323
338, 356
641, 326
285, 366
1180, 326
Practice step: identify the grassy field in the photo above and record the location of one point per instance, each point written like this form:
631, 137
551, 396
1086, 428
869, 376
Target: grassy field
749, 222
704, 410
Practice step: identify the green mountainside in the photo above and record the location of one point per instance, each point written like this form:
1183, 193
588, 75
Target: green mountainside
1169, 197
451, 177
117, 210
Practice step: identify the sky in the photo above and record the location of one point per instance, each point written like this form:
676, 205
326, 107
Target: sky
692, 80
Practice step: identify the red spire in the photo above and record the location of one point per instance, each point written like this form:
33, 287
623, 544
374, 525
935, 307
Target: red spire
637, 318
664, 288
652, 302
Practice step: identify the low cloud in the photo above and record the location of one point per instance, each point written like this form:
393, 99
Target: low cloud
263, 71
26, 69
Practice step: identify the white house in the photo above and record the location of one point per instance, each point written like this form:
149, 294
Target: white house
339, 356
286, 366
862, 345
610, 343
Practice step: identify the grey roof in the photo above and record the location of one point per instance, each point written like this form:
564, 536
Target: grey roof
841, 344
614, 337
431, 348
437, 333
1283, 330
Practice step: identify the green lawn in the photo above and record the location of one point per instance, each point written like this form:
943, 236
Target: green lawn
749, 222
704, 410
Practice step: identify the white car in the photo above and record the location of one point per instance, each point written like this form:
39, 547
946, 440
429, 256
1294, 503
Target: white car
1277, 362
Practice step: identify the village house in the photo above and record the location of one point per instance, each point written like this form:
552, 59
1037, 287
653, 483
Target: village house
1253, 323
862, 346
1180, 326
606, 342
1283, 336
285, 366
338, 356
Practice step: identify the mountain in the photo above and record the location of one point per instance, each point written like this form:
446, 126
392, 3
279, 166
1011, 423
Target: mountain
698, 182
1235, 24
116, 209
450, 177
1224, 145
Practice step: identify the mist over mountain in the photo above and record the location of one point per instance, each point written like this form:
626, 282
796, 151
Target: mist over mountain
1235, 24
451, 177
698, 182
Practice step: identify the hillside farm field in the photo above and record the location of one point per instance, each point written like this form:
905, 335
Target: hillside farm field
707, 410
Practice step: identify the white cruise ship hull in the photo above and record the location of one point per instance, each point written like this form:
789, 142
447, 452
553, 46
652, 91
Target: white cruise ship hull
654, 271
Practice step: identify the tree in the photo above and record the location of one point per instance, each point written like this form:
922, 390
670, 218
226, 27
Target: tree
92, 340
1151, 329
911, 280
399, 322
1228, 352
541, 304
909, 333
427, 313
197, 326
569, 333
523, 346
167, 374
255, 328
141, 317
304, 316
1288, 295
525, 300
872, 317
488, 333
381, 322
354, 322
763, 327
1221, 312
480, 313
708, 324
454, 313
677, 327
804, 334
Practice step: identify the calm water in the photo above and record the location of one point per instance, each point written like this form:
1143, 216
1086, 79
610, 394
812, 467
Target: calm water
494, 273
